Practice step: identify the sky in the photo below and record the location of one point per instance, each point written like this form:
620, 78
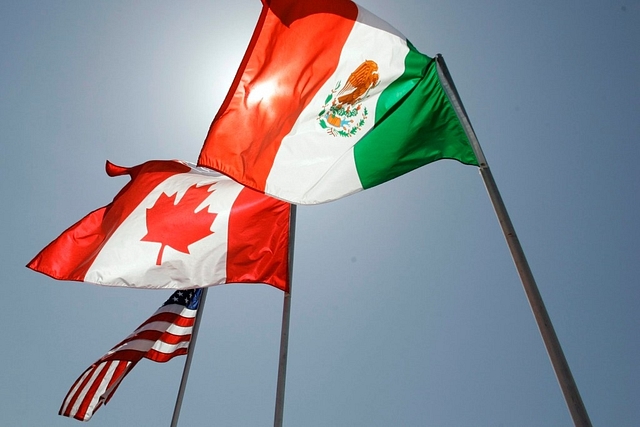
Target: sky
406, 306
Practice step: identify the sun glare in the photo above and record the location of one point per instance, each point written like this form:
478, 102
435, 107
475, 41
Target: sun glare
262, 92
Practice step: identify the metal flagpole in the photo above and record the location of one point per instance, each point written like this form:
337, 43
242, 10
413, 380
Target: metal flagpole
284, 337
187, 363
558, 360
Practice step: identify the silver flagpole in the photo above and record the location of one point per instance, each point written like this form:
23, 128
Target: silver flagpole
187, 363
558, 360
284, 337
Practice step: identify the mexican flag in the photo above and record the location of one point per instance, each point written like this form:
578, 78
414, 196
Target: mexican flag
329, 100
178, 226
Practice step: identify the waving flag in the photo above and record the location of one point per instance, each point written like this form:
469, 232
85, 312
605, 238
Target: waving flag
163, 336
329, 100
175, 225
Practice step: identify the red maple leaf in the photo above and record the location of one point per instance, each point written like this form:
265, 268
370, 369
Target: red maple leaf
179, 225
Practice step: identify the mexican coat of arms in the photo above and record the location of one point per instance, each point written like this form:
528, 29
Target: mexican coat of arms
342, 113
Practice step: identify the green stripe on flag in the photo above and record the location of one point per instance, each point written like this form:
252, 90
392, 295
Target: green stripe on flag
419, 129
415, 65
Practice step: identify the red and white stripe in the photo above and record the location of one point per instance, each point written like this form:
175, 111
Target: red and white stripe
164, 335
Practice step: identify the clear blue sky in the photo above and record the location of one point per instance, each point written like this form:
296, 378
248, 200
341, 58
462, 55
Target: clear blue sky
406, 309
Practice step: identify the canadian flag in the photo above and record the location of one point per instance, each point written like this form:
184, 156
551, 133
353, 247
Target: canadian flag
178, 226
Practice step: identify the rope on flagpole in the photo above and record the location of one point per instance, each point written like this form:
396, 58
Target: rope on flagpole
187, 364
552, 344
284, 337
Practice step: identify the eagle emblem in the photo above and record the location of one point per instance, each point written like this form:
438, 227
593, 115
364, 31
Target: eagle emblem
342, 114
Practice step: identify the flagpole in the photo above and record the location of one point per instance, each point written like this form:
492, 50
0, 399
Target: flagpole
554, 350
187, 364
284, 336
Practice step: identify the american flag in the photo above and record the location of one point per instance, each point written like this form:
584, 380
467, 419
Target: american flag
164, 335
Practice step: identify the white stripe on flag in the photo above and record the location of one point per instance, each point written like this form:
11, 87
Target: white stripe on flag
163, 347
96, 372
67, 400
166, 326
144, 346
95, 398
177, 309
328, 162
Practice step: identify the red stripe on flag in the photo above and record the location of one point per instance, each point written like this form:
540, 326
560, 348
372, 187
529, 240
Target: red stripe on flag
85, 409
295, 48
91, 393
258, 245
121, 371
174, 318
158, 356
136, 355
72, 397
163, 336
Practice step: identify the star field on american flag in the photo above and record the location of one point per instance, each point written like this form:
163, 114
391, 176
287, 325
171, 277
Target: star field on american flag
189, 298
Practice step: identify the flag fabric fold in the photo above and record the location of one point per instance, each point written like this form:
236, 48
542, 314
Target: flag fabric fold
329, 100
166, 334
176, 226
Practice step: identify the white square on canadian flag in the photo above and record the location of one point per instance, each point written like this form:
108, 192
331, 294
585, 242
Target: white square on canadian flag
126, 259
